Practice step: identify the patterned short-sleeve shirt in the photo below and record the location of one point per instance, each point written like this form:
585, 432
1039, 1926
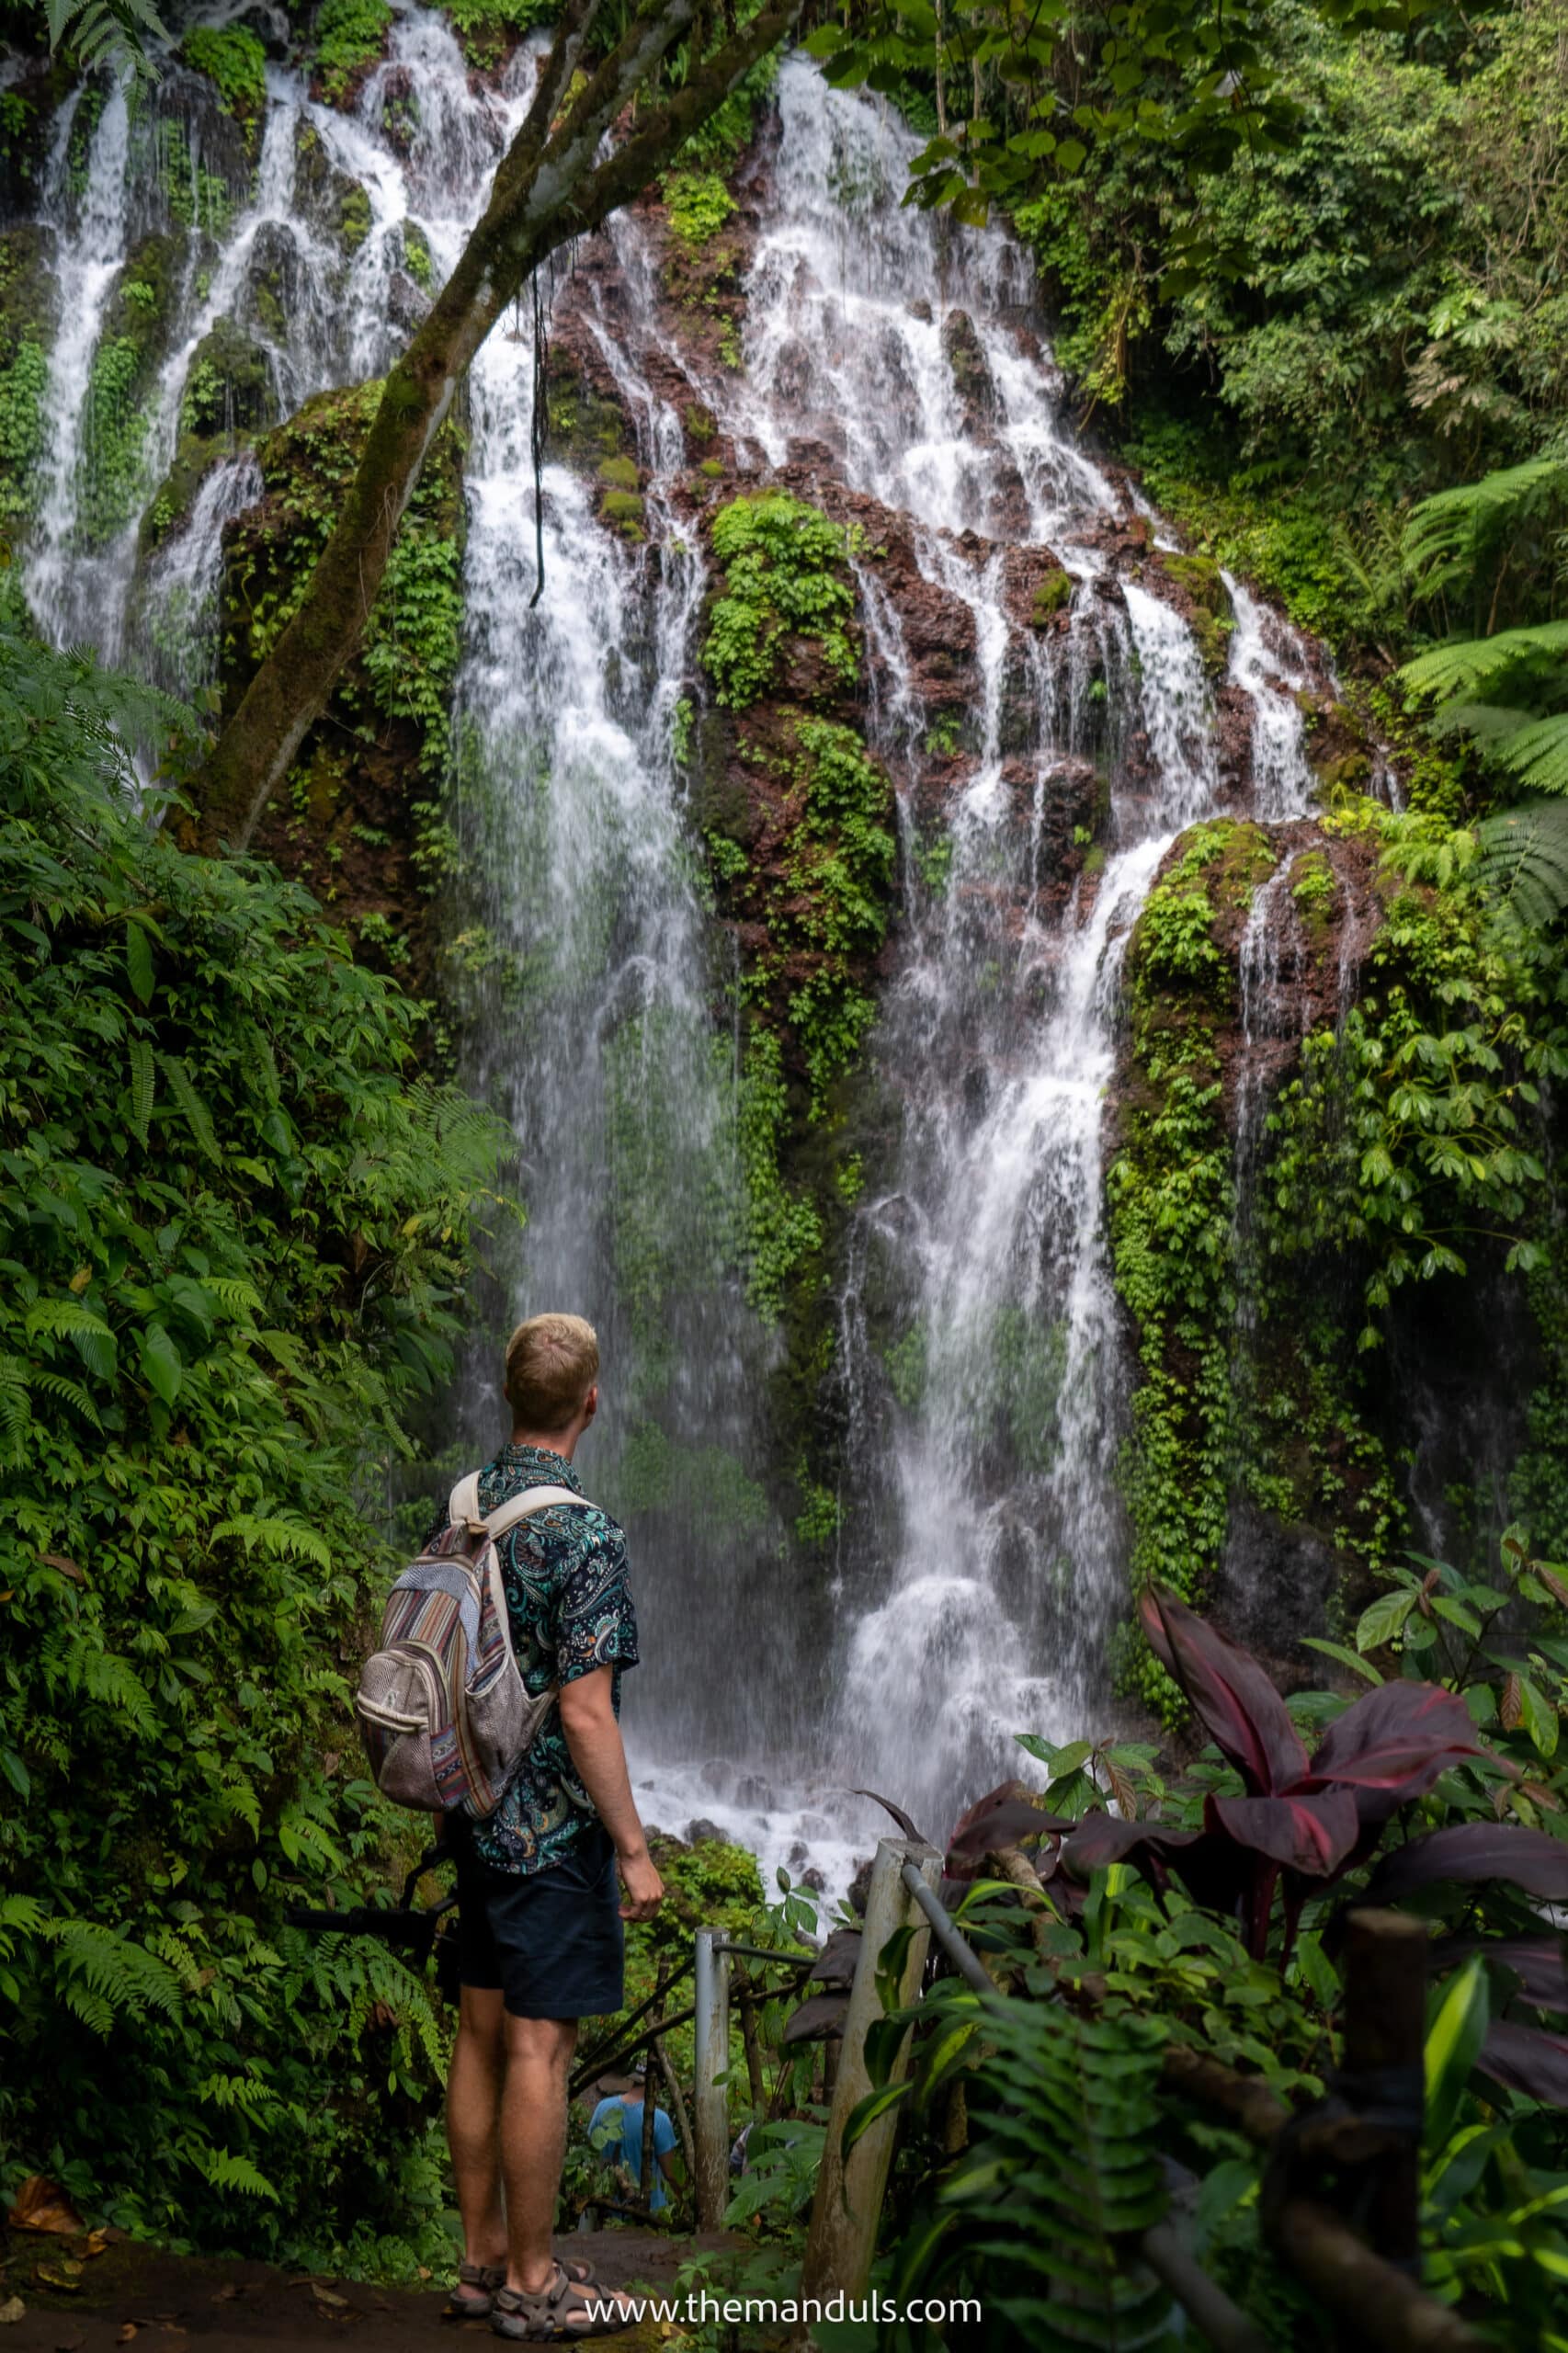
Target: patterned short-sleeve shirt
564, 1573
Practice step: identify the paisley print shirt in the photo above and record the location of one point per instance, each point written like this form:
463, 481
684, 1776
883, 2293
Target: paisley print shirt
564, 1572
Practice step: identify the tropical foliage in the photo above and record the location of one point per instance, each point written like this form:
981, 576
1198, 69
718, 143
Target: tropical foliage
234, 1235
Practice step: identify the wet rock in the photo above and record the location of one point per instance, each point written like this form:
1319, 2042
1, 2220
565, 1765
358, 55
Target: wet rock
1202, 598
970, 372
700, 1832
228, 386
1274, 1584
756, 1794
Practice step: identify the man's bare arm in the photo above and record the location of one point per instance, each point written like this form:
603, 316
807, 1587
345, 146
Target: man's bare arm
588, 1719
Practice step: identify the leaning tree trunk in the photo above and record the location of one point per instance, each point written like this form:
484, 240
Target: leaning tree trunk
550, 185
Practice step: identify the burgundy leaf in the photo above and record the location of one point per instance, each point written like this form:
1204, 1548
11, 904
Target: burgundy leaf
1472, 1850
1310, 1833
1100, 1838
999, 1819
1391, 1745
1243, 1713
1535, 1961
815, 2020
897, 1814
1527, 2060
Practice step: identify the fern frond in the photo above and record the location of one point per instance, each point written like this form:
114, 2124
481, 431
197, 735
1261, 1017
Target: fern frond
287, 1539
224, 2170
110, 36
1470, 664
142, 1088
1523, 866
104, 1972
1538, 755
198, 1117
69, 1391
1446, 532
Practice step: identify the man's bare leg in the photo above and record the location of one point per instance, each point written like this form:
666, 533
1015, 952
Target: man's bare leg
533, 2142
474, 2122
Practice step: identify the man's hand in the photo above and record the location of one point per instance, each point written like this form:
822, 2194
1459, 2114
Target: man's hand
644, 1888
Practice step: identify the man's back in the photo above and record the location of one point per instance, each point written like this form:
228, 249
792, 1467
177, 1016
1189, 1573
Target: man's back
564, 1571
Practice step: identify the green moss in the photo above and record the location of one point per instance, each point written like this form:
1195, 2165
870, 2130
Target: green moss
354, 218
1212, 618
197, 197
417, 255
1052, 596
625, 509
620, 474
784, 1227
712, 467
699, 422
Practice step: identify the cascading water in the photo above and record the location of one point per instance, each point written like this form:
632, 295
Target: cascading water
979, 1357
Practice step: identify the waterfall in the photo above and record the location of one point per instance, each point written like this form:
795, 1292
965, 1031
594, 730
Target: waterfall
979, 1362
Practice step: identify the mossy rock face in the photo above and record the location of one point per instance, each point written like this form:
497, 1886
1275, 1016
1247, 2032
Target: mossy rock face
699, 422
625, 510
586, 427
1053, 595
620, 474
1208, 603
358, 812
228, 388
971, 370
124, 364
334, 204
28, 314
25, 117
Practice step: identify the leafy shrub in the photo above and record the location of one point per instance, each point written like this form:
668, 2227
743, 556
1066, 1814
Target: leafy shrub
784, 570
350, 34
234, 58
699, 205
233, 1233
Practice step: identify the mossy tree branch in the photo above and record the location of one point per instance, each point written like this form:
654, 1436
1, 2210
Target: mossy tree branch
550, 187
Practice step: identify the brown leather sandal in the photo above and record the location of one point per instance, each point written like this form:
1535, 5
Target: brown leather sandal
482, 2279
549, 2317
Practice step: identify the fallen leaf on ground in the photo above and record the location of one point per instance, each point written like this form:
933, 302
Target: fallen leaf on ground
67, 2277
326, 2296
94, 2244
68, 2344
224, 2295
126, 2331
12, 2309
42, 2205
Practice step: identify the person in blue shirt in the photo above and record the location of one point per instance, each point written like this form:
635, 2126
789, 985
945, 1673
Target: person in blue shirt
615, 2130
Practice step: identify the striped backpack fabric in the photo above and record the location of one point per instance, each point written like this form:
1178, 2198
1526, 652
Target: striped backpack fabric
444, 1714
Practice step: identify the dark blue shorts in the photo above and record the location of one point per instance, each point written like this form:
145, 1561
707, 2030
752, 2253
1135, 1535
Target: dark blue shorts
551, 1940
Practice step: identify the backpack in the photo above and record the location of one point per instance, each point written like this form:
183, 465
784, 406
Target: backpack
444, 1714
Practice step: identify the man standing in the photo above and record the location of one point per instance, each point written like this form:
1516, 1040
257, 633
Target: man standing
541, 1940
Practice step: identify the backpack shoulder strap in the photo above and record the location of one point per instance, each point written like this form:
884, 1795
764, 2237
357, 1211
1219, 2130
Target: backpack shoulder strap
463, 1503
532, 1499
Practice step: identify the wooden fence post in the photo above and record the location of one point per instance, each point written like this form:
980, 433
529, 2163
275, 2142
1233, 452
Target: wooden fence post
710, 2099
841, 2238
1384, 2066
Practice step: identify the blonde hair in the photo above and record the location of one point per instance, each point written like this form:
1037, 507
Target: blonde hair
552, 1361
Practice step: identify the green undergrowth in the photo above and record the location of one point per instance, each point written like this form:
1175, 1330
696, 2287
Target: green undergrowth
234, 58
235, 1229
350, 34
786, 575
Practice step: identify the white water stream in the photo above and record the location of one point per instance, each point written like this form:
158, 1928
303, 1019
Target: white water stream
980, 1356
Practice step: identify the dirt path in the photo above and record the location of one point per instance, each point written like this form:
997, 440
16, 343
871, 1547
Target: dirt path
133, 2295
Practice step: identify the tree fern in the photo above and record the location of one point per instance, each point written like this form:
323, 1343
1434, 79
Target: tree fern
1538, 754
107, 36
1469, 666
1448, 534
1523, 866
